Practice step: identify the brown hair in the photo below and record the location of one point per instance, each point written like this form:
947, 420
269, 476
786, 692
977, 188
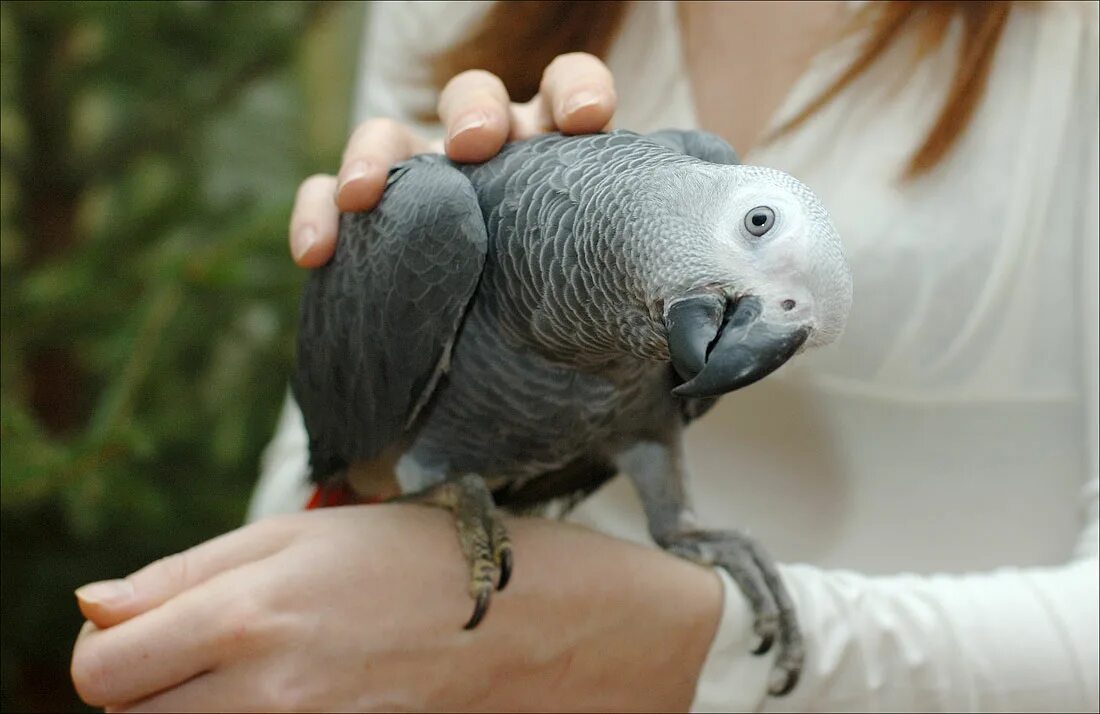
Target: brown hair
516, 40
983, 23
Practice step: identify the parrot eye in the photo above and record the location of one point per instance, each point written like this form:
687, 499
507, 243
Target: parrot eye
759, 220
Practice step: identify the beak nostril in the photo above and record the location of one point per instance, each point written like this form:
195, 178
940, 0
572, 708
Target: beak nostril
788, 305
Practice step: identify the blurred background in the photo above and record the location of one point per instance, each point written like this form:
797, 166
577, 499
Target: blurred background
149, 154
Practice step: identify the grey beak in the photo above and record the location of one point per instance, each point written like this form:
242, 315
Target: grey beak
717, 350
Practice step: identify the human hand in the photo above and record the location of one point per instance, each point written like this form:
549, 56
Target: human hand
576, 96
362, 608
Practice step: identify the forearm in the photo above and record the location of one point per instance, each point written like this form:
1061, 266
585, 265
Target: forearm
590, 622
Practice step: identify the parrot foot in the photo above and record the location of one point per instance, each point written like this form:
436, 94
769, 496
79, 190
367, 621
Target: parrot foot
481, 535
755, 573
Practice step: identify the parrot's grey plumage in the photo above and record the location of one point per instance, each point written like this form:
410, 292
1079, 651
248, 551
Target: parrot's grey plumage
521, 330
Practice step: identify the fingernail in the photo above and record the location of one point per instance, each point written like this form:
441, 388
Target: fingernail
303, 239
352, 172
106, 592
580, 100
473, 120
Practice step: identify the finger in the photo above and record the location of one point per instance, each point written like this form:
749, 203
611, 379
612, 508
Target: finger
580, 92
244, 686
533, 118
169, 645
530, 119
314, 221
206, 692
374, 147
110, 602
474, 109
85, 630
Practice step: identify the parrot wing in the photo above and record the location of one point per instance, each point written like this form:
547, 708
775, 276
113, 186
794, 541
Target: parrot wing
378, 322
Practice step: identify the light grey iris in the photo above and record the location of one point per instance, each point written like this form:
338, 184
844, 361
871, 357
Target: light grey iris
759, 220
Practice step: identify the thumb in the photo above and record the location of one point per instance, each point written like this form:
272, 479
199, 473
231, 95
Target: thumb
109, 602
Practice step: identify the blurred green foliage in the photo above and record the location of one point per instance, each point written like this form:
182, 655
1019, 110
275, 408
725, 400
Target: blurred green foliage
150, 154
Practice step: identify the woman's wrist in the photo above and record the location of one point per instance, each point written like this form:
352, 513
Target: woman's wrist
615, 625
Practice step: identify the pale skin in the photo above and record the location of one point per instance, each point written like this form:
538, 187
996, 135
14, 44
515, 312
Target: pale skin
348, 608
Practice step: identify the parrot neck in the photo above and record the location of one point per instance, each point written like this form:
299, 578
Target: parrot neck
578, 261
584, 301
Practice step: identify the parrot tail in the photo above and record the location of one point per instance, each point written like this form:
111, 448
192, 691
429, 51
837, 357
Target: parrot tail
338, 493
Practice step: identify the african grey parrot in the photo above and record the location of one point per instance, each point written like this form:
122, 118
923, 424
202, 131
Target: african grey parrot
519, 331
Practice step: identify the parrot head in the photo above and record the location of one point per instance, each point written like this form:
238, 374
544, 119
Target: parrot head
767, 276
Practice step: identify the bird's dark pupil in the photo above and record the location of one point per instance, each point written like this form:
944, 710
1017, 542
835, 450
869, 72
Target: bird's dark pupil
759, 219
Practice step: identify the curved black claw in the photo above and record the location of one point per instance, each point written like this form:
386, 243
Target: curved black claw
480, 608
789, 682
505, 568
765, 645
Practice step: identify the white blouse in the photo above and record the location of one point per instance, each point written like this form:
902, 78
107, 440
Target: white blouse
931, 479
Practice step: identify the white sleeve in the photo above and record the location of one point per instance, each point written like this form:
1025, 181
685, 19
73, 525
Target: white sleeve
1011, 640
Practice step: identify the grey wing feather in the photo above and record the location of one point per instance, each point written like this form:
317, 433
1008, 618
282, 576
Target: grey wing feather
378, 322
700, 144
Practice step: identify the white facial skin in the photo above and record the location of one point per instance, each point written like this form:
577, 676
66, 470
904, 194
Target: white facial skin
798, 259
